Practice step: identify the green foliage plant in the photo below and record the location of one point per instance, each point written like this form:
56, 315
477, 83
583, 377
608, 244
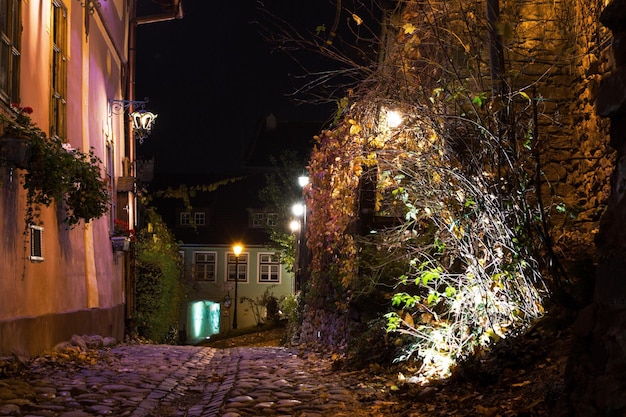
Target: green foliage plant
159, 288
58, 173
264, 307
453, 183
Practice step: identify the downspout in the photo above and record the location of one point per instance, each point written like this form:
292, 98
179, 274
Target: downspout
177, 13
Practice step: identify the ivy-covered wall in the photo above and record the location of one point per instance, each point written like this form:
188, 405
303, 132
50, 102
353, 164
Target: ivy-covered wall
554, 53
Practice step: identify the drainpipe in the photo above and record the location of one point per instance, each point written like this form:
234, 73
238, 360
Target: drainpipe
176, 13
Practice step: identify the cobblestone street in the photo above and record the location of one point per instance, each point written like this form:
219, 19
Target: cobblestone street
163, 380
251, 375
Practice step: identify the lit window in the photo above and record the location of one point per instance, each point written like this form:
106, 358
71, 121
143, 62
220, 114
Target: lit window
269, 268
204, 266
241, 266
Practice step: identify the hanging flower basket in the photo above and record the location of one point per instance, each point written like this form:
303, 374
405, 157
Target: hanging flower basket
55, 172
120, 243
15, 151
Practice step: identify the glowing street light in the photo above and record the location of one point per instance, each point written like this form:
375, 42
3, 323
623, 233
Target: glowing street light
142, 121
298, 209
294, 226
303, 181
237, 248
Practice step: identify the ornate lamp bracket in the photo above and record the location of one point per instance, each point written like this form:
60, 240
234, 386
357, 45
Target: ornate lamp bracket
141, 119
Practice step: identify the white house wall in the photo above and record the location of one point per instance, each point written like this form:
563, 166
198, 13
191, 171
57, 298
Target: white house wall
216, 292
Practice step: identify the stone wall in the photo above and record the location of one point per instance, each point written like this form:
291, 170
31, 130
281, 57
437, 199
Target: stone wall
555, 52
596, 374
558, 50
327, 329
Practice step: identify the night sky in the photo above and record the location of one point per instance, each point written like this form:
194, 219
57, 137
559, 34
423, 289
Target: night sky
211, 77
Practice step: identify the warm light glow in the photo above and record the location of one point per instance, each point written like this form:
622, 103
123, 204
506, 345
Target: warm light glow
303, 181
237, 248
143, 120
294, 226
394, 118
298, 209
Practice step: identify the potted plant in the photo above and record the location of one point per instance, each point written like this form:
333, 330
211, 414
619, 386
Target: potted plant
15, 142
57, 172
122, 236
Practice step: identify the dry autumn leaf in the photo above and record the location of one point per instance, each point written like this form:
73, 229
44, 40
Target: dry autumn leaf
408, 28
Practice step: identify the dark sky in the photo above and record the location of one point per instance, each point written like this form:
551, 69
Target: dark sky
211, 77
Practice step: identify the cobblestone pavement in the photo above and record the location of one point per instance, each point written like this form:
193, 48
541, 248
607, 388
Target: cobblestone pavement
164, 380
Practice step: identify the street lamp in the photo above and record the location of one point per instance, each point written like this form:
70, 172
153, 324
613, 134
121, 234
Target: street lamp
141, 120
294, 226
303, 181
299, 210
237, 248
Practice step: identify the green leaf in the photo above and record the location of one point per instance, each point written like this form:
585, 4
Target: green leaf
450, 291
433, 298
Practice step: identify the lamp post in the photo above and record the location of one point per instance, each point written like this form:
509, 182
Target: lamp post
299, 210
237, 248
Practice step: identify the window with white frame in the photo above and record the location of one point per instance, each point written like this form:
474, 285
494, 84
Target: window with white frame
269, 268
204, 266
258, 219
261, 219
199, 218
271, 219
239, 265
185, 218
36, 240
194, 218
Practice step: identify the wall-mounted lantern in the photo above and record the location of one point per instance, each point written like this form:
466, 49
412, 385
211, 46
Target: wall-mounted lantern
142, 120
142, 123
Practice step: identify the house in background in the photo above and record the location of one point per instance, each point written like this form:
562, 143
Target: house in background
69, 61
233, 214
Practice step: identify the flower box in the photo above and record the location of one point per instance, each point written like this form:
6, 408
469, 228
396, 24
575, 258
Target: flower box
120, 243
15, 151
